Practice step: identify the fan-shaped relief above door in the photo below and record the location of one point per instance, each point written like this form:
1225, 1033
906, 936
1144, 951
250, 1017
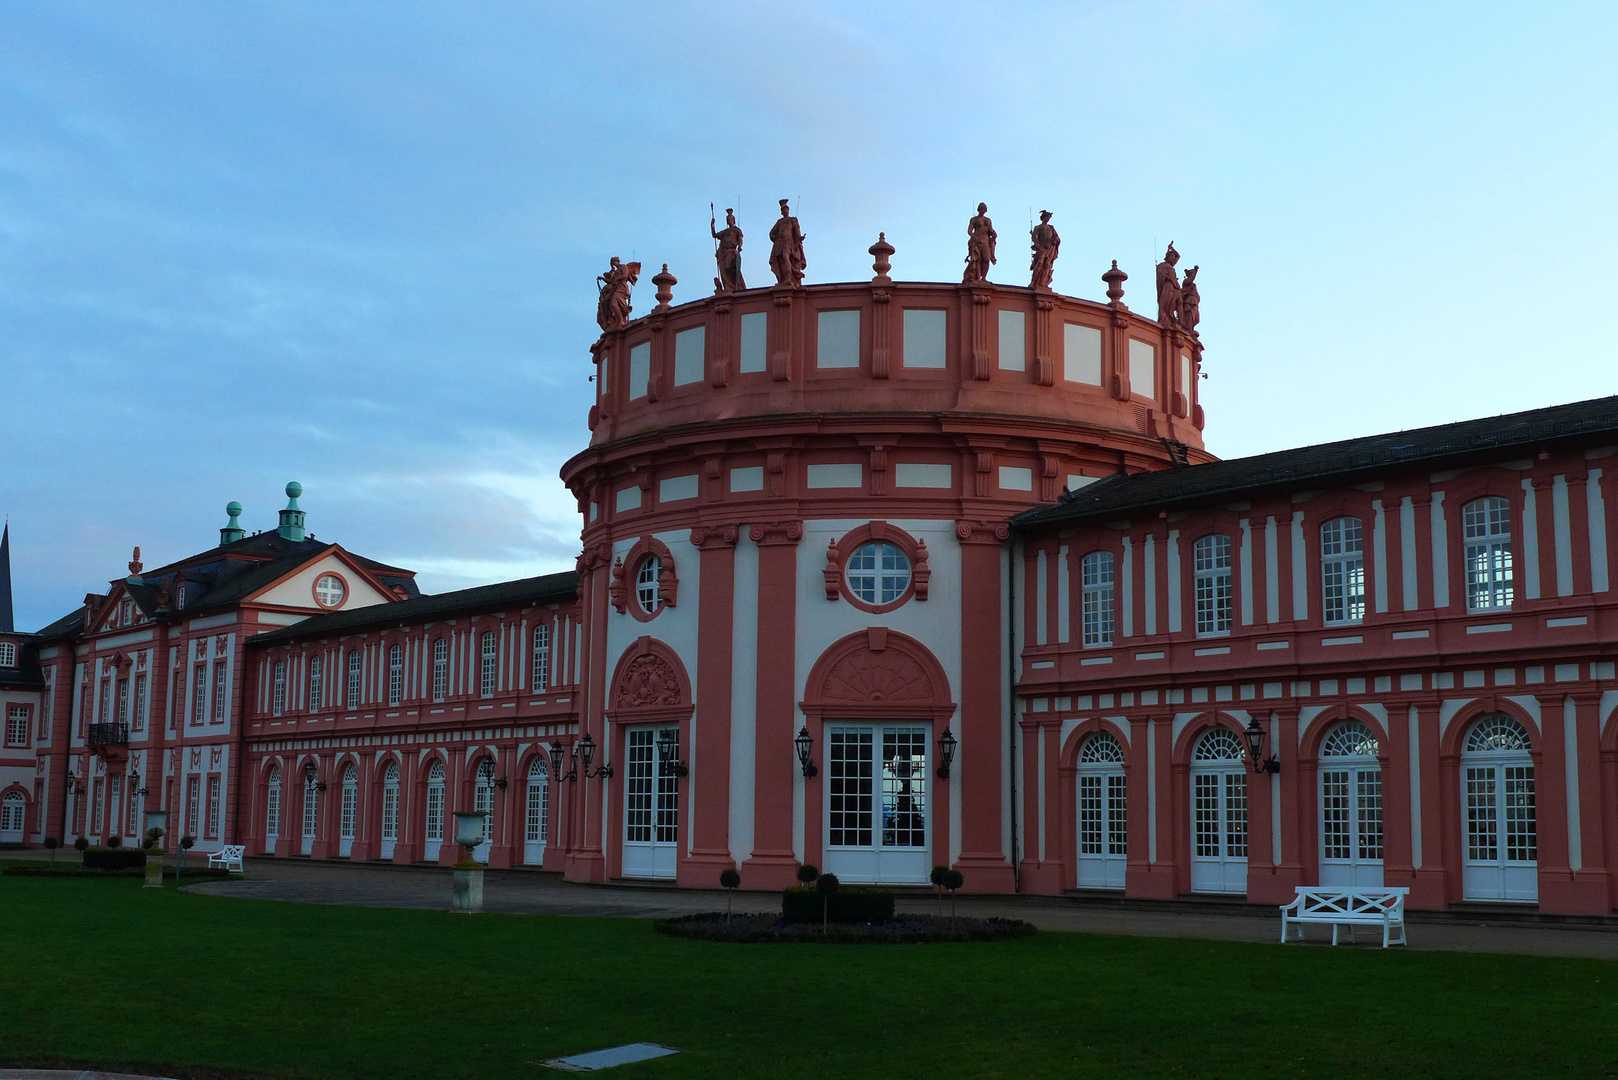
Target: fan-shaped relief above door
878, 673
650, 684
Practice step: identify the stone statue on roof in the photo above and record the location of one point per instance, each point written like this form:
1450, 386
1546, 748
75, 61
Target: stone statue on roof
980, 238
786, 249
727, 252
1190, 302
1045, 242
612, 310
1168, 287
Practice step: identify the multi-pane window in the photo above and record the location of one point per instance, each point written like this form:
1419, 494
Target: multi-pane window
348, 812
390, 803
213, 806
278, 699
8, 654
849, 753
440, 669
542, 657
140, 702
535, 819
136, 806
199, 693
123, 701
106, 701
219, 691
435, 802
647, 593
317, 680
483, 798
17, 725
1095, 578
311, 802
1342, 570
1103, 807
353, 678
193, 799
1486, 526
272, 812
395, 674
486, 672
1211, 567
877, 573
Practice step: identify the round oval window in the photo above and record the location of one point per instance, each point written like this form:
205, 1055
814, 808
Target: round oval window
647, 593
877, 573
330, 590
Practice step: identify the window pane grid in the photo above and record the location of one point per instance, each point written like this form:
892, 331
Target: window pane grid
1342, 568
1096, 577
638, 794
1481, 826
852, 787
1486, 525
1211, 562
1521, 837
904, 787
1117, 817
878, 573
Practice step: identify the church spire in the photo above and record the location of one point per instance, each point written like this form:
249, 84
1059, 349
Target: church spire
7, 622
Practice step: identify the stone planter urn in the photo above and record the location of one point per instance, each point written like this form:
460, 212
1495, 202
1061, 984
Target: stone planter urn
157, 822
466, 895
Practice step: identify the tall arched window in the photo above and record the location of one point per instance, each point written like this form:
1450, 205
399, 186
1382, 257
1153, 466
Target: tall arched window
1486, 524
317, 671
1350, 807
1219, 813
1502, 834
647, 593
278, 699
390, 809
1342, 570
483, 803
433, 834
1211, 567
542, 657
1095, 576
440, 669
353, 678
272, 812
13, 817
395, 674
536, 824
349, 818
490, 657
311, 799
1103, 814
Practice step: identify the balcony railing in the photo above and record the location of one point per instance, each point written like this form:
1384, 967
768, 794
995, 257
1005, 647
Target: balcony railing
109, 734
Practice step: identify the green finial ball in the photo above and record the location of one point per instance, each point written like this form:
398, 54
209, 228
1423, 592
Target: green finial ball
234, 509
294, 489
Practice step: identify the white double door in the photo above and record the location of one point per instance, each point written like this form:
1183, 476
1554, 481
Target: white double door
1351, 825
1502, 842
878, 803
1103, 827
1218, 828
651, 808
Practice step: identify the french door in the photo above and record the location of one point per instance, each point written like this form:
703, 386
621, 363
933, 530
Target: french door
651, 808
272, 813
1351, 825
310, 797
13, 813
390, 810
877, 803
433, 826
1218, 814
1501, 835
349, 813
1103, 821
536, 823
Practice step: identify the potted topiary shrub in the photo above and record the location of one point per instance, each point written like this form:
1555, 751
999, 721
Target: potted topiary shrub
827, 885
807, 873
114, 843
51, 844
729, 880
937, 878
81, 844
953, 879
186, 844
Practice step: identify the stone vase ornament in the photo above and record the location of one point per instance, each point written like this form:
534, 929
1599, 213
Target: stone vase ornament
466, 889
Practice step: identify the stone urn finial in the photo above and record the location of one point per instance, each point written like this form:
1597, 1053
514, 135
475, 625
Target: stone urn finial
1115, 279
665, 283
881, 252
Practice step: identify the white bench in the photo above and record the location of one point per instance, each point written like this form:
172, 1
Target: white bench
230, 857
1347, 907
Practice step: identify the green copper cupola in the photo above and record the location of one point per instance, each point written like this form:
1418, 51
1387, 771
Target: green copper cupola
233, 530
292, 517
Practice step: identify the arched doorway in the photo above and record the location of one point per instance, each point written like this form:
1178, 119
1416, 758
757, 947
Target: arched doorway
483, 803
651, 706
1218, 813
1499, 818
349, 817
433, 830
1103, 821
390, 809
13, 817
272, 811
311, 819
536, 816
1350, 807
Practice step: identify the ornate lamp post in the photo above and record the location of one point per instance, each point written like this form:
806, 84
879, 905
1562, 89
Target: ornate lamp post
1253, 734
585, 749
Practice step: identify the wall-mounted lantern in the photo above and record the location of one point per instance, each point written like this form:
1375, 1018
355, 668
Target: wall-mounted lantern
947, 743
805, 745
668, 747
1254, 735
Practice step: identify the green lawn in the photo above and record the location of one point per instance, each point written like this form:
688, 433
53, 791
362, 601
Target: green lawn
104, 971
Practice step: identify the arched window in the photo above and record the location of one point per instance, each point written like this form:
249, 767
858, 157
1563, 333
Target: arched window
395, 674
483, 802
542, 657
1486, 524
1218, 813
317, 671
1350, 807
349, 816
311, 798
487, 680
353, 678
440, 669
390, 809
1502, 835
878, 573
1095, 576
536, 823
1103, 819
13, 817
433, 834
272, 811
1211, 567
1342, 570
278, 700
647, 593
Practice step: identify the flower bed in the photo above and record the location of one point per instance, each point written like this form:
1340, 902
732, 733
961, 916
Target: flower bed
900, 930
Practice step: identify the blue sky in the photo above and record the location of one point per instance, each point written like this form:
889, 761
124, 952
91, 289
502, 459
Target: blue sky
354, 244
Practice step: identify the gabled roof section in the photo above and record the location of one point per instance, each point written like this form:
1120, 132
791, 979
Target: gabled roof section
547, 589
69, 625
1582, 423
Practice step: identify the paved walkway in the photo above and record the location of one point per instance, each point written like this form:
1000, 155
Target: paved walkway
527, 892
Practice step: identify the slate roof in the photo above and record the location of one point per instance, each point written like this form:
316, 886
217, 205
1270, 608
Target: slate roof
1334, 464
546, 588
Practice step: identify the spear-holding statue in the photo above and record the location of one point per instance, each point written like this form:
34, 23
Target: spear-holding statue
1045, 243
727, 252
612, 309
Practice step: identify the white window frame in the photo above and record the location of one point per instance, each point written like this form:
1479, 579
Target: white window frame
488, 667
1213, 585
1486, 531
1096, 576
1342, 571
142, 701
220, 702
199, 693
317, 682
215, 789
440, 668
878, 573
395, 674
272, 809
542, 657
8, 654
17, 725
648, 590
278, 697
354, 662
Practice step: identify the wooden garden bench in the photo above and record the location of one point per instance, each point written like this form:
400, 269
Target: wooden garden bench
1347, 907
229, 857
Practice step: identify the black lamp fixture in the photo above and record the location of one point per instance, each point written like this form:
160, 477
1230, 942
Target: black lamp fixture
310, 776
947, 743
557, 754
805, 745
586, 750
134, 785
668, 745
72, 785
1254, 734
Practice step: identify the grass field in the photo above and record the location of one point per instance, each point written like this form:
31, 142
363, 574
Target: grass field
103, 971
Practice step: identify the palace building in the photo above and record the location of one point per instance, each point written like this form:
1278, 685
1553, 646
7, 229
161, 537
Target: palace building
888, 575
